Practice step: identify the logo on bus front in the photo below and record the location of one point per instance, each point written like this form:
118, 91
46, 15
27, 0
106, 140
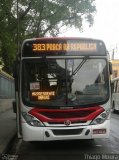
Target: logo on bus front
67, 122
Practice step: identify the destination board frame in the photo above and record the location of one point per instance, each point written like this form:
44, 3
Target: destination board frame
66, 47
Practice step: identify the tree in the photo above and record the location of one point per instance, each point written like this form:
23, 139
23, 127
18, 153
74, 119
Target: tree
7, 35
46, 17
39, 18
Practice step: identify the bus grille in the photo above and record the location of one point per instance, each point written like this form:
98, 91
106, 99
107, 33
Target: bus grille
67, 114
67, 132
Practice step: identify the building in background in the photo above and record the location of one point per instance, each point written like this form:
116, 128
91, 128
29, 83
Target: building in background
115, 68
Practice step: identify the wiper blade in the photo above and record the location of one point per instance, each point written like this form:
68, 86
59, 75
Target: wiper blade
80, 65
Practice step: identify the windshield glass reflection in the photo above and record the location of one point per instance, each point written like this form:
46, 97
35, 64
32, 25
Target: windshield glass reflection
64, 82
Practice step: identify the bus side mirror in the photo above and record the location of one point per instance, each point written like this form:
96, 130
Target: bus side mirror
110, 67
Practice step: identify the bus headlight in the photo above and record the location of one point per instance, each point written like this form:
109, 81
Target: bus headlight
31, 120
101, 118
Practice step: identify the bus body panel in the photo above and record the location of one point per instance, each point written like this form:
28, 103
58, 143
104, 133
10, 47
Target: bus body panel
39, 133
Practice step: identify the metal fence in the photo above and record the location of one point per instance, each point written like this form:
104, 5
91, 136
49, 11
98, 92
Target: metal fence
6, 86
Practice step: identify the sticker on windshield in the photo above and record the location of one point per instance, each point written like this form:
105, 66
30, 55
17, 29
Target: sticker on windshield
34, 85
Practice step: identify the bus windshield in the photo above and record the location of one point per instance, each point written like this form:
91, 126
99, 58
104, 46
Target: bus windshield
62, 82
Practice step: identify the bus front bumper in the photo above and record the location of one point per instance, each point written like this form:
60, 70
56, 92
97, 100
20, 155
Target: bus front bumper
31, 133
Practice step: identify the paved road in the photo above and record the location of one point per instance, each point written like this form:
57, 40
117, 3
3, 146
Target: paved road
7, 128
71, 150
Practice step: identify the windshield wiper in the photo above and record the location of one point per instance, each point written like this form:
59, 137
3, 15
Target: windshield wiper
80, 65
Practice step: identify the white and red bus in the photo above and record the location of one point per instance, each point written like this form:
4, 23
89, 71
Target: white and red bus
63, 89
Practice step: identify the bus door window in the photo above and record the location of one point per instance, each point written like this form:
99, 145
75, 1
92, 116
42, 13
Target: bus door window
26, 78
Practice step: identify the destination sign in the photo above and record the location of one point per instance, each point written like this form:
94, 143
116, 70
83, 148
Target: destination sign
63, 47
36, 47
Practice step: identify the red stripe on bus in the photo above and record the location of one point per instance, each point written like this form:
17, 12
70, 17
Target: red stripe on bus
58, 115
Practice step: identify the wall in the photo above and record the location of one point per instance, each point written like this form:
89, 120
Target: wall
7, 93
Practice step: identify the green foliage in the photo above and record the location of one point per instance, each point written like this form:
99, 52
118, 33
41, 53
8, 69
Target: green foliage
39, 18
46, 17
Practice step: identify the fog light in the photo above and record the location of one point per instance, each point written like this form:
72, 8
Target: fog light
99, 131
47, 134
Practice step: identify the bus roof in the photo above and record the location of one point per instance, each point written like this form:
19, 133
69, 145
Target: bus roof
65, 38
